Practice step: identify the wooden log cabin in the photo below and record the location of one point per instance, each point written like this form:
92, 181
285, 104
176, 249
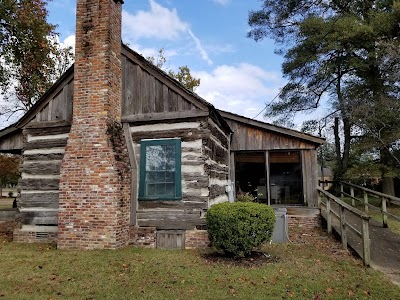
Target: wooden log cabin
183, 156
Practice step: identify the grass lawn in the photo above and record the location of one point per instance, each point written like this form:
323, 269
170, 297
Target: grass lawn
313, 267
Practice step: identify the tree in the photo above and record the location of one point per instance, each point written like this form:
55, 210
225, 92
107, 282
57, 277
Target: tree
31, 57
183, 75
9, 173
336, 49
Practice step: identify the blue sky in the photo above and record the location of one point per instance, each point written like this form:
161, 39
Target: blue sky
209, 36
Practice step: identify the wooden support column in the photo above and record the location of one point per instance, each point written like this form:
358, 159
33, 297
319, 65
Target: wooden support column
328, 215
366, 241
341, 192
134, 173
343, 226
366, 208
267, 177
384, 211
353, 201
232, 173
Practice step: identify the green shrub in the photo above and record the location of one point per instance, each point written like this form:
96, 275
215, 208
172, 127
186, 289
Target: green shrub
239, 227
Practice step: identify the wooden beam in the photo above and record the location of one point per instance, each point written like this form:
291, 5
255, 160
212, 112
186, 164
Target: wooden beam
134, 170
165, 116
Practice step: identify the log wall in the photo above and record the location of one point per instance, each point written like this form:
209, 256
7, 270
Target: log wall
44, 145
216, 148
187, 213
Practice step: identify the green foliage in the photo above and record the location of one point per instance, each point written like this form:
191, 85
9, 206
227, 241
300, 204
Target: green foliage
245, 198
183, 75
237, 228
31, 57
344, 50
9, 171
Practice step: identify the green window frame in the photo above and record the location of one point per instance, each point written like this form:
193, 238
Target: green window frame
160, 170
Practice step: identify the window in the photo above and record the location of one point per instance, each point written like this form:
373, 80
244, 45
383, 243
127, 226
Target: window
160, 170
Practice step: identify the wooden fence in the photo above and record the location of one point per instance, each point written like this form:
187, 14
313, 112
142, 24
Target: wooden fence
330, 202
385, 200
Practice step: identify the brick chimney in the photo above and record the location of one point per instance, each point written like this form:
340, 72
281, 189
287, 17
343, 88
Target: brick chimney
94, 183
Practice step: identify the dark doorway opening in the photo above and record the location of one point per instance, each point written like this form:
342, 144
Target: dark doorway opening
250, 175
283, 173
285, 178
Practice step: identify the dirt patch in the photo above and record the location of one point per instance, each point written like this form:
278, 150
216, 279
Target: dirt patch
257, 258
6, 230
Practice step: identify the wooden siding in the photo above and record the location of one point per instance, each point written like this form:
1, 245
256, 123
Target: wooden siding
310, 177
59, 104
247, 137
145, 94
12, 142
44, 144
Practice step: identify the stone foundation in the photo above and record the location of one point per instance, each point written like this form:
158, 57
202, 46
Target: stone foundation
195, 239
29, 234
142, 236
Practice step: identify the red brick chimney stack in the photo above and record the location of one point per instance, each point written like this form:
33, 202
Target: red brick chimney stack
94, 183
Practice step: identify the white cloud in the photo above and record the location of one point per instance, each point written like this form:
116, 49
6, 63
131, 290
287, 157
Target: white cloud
243, 89
222, 2
69, 41
200, 48
159, 23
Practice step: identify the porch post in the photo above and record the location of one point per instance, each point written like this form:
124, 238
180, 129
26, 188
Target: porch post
267, 177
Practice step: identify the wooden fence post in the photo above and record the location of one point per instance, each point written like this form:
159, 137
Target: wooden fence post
384, 211
319, 199
341, 191
365, 241
328, 215
353, 202
343, 227
366, 208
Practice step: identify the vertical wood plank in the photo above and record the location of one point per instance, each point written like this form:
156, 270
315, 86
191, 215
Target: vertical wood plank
134, 174
384, 211
268, 176
343, 226
341, 192
232, 172
70, 101
353, 201
328, 215
366, 208
366, 242
159, 101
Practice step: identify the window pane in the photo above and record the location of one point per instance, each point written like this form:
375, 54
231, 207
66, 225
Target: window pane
151, 190
169, 176
159, 169
170, 189
160, 189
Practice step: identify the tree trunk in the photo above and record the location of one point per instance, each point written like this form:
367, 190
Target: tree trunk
346, 146
388, 185
338, 171
387, 179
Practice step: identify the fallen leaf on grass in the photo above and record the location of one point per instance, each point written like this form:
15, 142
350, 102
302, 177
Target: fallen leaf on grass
351, 293
329, 290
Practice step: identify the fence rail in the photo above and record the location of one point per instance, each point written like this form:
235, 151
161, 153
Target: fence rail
326, 199
385, 200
